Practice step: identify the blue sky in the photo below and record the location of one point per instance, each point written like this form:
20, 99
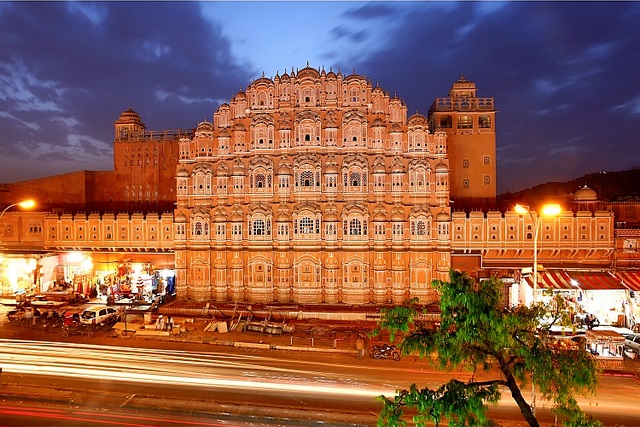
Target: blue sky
564, 75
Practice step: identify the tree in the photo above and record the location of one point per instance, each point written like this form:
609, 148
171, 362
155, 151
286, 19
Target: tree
476, 332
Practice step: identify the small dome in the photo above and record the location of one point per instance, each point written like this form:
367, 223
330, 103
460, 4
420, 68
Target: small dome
283, 214
585, 194
284, 170
442, 217
331, 169
331, 262
223, 170
331, 217
220, 217
180, 217
130, 117
397, 166
378, 123
238, 168
379, 215
129, 114
331, 213
378, 166
183, 173
237, 215
442, 168
398, 214
331, 122
204, 127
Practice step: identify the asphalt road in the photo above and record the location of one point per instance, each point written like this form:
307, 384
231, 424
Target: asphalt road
172, 381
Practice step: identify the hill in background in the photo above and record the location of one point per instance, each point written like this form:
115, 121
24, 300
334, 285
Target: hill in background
610, 187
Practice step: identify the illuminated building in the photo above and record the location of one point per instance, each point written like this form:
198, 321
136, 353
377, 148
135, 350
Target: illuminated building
309, 187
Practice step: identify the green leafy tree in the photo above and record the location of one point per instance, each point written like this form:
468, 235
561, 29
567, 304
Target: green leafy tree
477, 333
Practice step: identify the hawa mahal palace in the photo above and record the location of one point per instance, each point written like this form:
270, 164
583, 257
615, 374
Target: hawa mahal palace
308, 187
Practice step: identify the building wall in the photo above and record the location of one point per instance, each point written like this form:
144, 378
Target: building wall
470, 124
581, 239
312, 187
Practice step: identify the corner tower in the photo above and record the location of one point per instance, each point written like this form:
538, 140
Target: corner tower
469, 122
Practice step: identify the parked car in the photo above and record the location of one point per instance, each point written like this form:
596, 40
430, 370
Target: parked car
632, 341
100, 315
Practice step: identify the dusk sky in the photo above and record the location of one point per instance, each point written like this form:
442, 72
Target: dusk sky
565, 75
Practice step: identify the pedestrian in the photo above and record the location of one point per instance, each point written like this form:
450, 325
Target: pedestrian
170, 323
160, 323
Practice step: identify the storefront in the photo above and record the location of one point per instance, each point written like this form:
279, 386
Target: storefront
606, 347
631, 280
96, 275
549, 284
598, 293
602, 295
25, 273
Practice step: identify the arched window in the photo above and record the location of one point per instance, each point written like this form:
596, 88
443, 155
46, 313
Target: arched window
258, 227
198, 229
355, 179
306, 179
306, 225
421, 228
355, 227
260, 180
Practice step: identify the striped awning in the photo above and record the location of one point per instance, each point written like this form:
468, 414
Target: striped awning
552, 279
630, 279
590, 281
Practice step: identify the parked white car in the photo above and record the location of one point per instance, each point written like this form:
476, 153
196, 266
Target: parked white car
100, 315
632, 341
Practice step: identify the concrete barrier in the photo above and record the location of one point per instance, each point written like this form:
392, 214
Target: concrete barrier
152, 333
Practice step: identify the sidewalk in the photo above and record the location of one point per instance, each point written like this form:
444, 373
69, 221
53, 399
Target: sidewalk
305, 336
340, 330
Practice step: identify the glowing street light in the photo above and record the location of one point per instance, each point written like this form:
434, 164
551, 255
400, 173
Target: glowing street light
25, 204
550, 210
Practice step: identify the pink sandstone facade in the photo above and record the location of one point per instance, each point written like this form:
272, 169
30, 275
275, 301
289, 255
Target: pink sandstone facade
310, 187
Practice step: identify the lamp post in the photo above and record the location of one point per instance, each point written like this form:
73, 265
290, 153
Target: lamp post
549, 210
25, 204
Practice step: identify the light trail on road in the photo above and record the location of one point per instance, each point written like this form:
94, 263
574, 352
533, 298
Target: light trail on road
166, 367
334, 384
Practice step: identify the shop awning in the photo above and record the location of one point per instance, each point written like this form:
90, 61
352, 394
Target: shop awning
630, 279
590, 281
552, 279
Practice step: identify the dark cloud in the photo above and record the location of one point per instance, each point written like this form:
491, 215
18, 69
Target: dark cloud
564, 77
70, 69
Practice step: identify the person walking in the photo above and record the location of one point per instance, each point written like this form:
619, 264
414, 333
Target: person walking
169, 324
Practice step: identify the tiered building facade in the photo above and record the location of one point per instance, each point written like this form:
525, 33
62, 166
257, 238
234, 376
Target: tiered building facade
310, 187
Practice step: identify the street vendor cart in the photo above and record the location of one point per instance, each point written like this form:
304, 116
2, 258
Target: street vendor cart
607, 348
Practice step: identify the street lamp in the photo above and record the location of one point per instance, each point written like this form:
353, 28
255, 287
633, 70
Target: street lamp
549, 210
25, 204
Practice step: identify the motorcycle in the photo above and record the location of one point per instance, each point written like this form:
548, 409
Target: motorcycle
51, 320
386, 351
72, 326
